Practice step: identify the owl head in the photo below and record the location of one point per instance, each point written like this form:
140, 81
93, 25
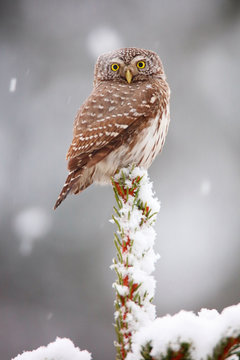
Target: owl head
128, 65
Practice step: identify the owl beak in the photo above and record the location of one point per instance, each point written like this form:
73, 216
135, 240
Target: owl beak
128, 76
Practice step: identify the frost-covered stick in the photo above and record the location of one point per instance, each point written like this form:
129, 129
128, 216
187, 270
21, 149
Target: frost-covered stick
135, 215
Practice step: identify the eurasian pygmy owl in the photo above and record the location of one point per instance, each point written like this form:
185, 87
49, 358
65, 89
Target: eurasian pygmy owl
123, 121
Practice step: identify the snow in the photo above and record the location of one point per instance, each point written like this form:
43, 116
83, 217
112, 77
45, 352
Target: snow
30, 225
102, 40
121, 289
203, 331
12, 85
60, 349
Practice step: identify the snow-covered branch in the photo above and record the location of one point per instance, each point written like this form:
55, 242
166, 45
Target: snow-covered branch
135, 215
140, 336
208, 335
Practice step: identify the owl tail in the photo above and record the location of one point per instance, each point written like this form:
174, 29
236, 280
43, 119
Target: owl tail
72, 184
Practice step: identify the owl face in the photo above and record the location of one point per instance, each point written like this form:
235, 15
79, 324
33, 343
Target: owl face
128, 65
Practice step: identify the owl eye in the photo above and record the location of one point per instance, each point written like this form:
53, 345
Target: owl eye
115, 67
141, 64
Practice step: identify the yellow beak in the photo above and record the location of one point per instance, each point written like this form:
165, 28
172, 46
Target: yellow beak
128, 76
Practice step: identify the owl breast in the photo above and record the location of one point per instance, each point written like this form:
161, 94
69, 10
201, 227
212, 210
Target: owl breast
141, 151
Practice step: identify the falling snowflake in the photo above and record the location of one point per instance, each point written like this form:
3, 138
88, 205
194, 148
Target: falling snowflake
12, 85
102, 40
30, 225
205, 187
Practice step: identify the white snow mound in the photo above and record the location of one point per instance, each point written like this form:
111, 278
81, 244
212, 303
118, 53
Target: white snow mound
60, 349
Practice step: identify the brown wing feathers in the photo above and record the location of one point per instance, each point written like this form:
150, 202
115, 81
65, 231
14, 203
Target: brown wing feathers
78, 164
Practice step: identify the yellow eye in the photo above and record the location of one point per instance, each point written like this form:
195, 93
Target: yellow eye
141, 64
115, 67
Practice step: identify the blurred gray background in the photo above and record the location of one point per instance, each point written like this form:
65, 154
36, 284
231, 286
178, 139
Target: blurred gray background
54, 266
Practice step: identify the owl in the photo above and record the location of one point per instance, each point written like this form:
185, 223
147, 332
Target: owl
124, 120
